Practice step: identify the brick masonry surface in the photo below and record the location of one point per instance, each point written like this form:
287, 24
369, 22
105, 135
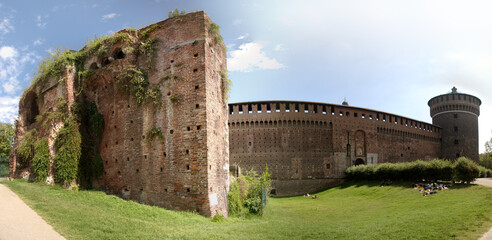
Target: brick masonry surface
188, 168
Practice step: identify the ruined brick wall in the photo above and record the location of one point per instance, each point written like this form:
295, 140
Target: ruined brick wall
308, 145
186, 169
457, 115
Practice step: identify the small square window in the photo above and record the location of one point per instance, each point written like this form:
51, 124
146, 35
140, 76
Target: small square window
455, 115
456, 141
455, 129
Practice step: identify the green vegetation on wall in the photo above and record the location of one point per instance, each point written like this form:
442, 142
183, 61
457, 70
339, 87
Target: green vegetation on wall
214, 30
68, 152
133, 80
226, 85
41, 160
177, 13
26, 148
91, 130
47, 118
154, 132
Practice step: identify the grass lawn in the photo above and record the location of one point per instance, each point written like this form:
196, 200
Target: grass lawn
350, 211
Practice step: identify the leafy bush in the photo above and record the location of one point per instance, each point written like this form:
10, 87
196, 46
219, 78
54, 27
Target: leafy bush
41, 160
249, 191
234, 198
253, 204
68, 145
466, 170
484, 172
462, 170
485, 159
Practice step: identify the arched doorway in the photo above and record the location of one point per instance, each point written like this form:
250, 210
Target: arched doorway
359, 161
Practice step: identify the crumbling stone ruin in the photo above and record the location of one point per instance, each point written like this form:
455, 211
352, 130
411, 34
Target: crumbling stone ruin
141, 114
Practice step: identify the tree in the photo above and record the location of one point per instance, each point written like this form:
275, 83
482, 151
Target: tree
488, 146
7, 133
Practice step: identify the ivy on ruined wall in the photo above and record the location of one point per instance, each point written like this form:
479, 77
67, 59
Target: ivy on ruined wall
41, 160
91, 129
68, 151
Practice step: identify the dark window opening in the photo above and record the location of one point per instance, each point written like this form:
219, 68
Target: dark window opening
118, 54
455, 129
188, 128
198, 127
161, 169
187, 167
196, 87
93, 66
328, 166
455, 115
197, 106
187, 151
187, 190
31, 104
195, 70
172, 61
137, 170
273, 192
457, 155
171, 131
456, 141
195, 55
164, 154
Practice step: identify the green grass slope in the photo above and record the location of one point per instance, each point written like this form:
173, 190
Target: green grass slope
350, 211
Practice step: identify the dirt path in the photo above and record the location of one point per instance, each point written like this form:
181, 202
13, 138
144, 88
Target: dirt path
19, 221
488, 183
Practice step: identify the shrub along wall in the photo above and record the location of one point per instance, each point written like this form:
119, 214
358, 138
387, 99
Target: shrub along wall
463, 169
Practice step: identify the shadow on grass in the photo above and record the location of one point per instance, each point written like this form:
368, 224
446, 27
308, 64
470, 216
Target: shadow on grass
401, 184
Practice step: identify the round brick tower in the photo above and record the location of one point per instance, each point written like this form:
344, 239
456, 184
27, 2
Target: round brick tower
457, 115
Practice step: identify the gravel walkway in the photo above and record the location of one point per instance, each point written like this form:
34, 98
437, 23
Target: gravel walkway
19, 221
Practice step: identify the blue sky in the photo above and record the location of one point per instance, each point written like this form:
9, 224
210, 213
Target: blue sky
387, 55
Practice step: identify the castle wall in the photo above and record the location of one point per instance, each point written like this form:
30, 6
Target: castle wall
457, 114
186, 169
308, 145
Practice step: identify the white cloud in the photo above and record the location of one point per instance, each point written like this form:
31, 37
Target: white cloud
237, 21
108, 16
8, 109
243, 36
37, 42
5, 26
39, 22
7, 52
250, 57
279, 47
286, 21
12, 62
